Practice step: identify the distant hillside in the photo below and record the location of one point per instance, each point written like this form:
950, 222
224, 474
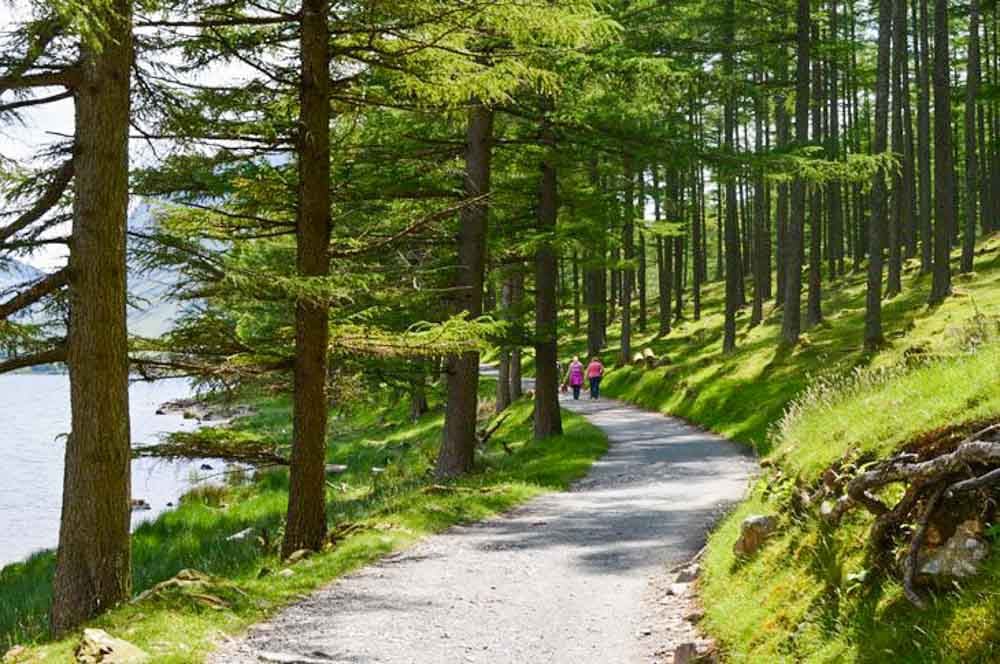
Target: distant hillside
151, 313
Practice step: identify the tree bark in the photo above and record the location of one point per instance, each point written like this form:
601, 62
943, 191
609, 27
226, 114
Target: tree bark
93, 563
894, 285
628, 274
814, 308
873, 310
305, 527
971, 148
548, 417
791, 324
944, 192
458, 444
924, 142
731, 232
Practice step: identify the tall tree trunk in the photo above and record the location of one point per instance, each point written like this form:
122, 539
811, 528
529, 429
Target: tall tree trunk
517, 303
894, 285
783, 137
503, 379
836, 248
971, 151
792, 320
944, 177
93, 564
458, 443
924, 141
873, 311
814, 308
731, 232
761, 275
628, 275
306, 522
548, 417
665, 282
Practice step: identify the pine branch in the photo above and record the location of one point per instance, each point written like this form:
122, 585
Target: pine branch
38, 101
67, 78
41, 289
49, 199
51, 356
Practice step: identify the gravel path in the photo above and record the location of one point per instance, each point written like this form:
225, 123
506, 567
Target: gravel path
569, 577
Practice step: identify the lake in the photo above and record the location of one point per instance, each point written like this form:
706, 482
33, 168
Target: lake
34, 410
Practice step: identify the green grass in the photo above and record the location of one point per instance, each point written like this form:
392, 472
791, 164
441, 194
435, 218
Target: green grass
395, 509
807, 596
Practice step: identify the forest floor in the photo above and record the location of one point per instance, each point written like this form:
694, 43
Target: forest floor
575, 576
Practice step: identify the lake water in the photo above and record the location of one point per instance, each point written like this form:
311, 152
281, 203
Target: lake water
34, 412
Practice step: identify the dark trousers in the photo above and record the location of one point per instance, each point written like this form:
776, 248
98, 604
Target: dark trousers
576, 392
595, 387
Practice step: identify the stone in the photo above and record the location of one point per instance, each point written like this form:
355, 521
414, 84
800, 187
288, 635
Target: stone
290, 658
140, 505
245, 534
958, 558
694, 615
688, 574
298, 556
286, 573
754, 531
14, 655
99, 647
686, 653
335, 468
206, 466
679, 589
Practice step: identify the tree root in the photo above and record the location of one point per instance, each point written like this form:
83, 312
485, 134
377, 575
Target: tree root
974, 465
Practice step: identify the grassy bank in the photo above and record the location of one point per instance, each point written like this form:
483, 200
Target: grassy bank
808, 596
377, 512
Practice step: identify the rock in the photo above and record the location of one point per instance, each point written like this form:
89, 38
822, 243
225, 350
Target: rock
679, 589
298, 556
649, 357
376, 470
99, 647
206, 466
190, 415
140, 505
754, 531
958, 558
335, 468
290, 658
694, 615
688, 574
286, 573
242, 535
686, 653
14, 655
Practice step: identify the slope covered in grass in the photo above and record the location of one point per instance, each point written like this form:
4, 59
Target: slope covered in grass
809, 596
385, 512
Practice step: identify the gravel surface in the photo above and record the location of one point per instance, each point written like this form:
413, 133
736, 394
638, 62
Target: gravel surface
571, 577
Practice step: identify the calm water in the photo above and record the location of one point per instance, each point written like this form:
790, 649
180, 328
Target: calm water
34, 412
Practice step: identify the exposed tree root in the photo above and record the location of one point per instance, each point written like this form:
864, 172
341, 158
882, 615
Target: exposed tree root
974, 465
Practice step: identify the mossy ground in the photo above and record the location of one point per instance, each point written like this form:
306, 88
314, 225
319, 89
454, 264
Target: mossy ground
395, 508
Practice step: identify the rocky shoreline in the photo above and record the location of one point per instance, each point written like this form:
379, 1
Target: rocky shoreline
199, 410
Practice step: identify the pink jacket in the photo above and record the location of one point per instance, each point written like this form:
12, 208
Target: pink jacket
595, 370
576, 374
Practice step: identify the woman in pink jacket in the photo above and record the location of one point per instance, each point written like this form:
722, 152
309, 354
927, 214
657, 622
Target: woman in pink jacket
574, 377
595, 371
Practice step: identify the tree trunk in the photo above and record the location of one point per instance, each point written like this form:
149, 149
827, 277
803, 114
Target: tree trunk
783, 137
628, 275
761, 275
894, 285
731, 232
93, 564
944, 192
458, 445
971, 151
503, 378
548, 417
814, 308
836, 248
306, 522
873, 311
791, 324
924, 142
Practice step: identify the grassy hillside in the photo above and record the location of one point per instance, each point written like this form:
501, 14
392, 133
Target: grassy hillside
808, 596
375, 513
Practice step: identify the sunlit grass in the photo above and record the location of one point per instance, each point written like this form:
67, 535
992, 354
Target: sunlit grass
394, 507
